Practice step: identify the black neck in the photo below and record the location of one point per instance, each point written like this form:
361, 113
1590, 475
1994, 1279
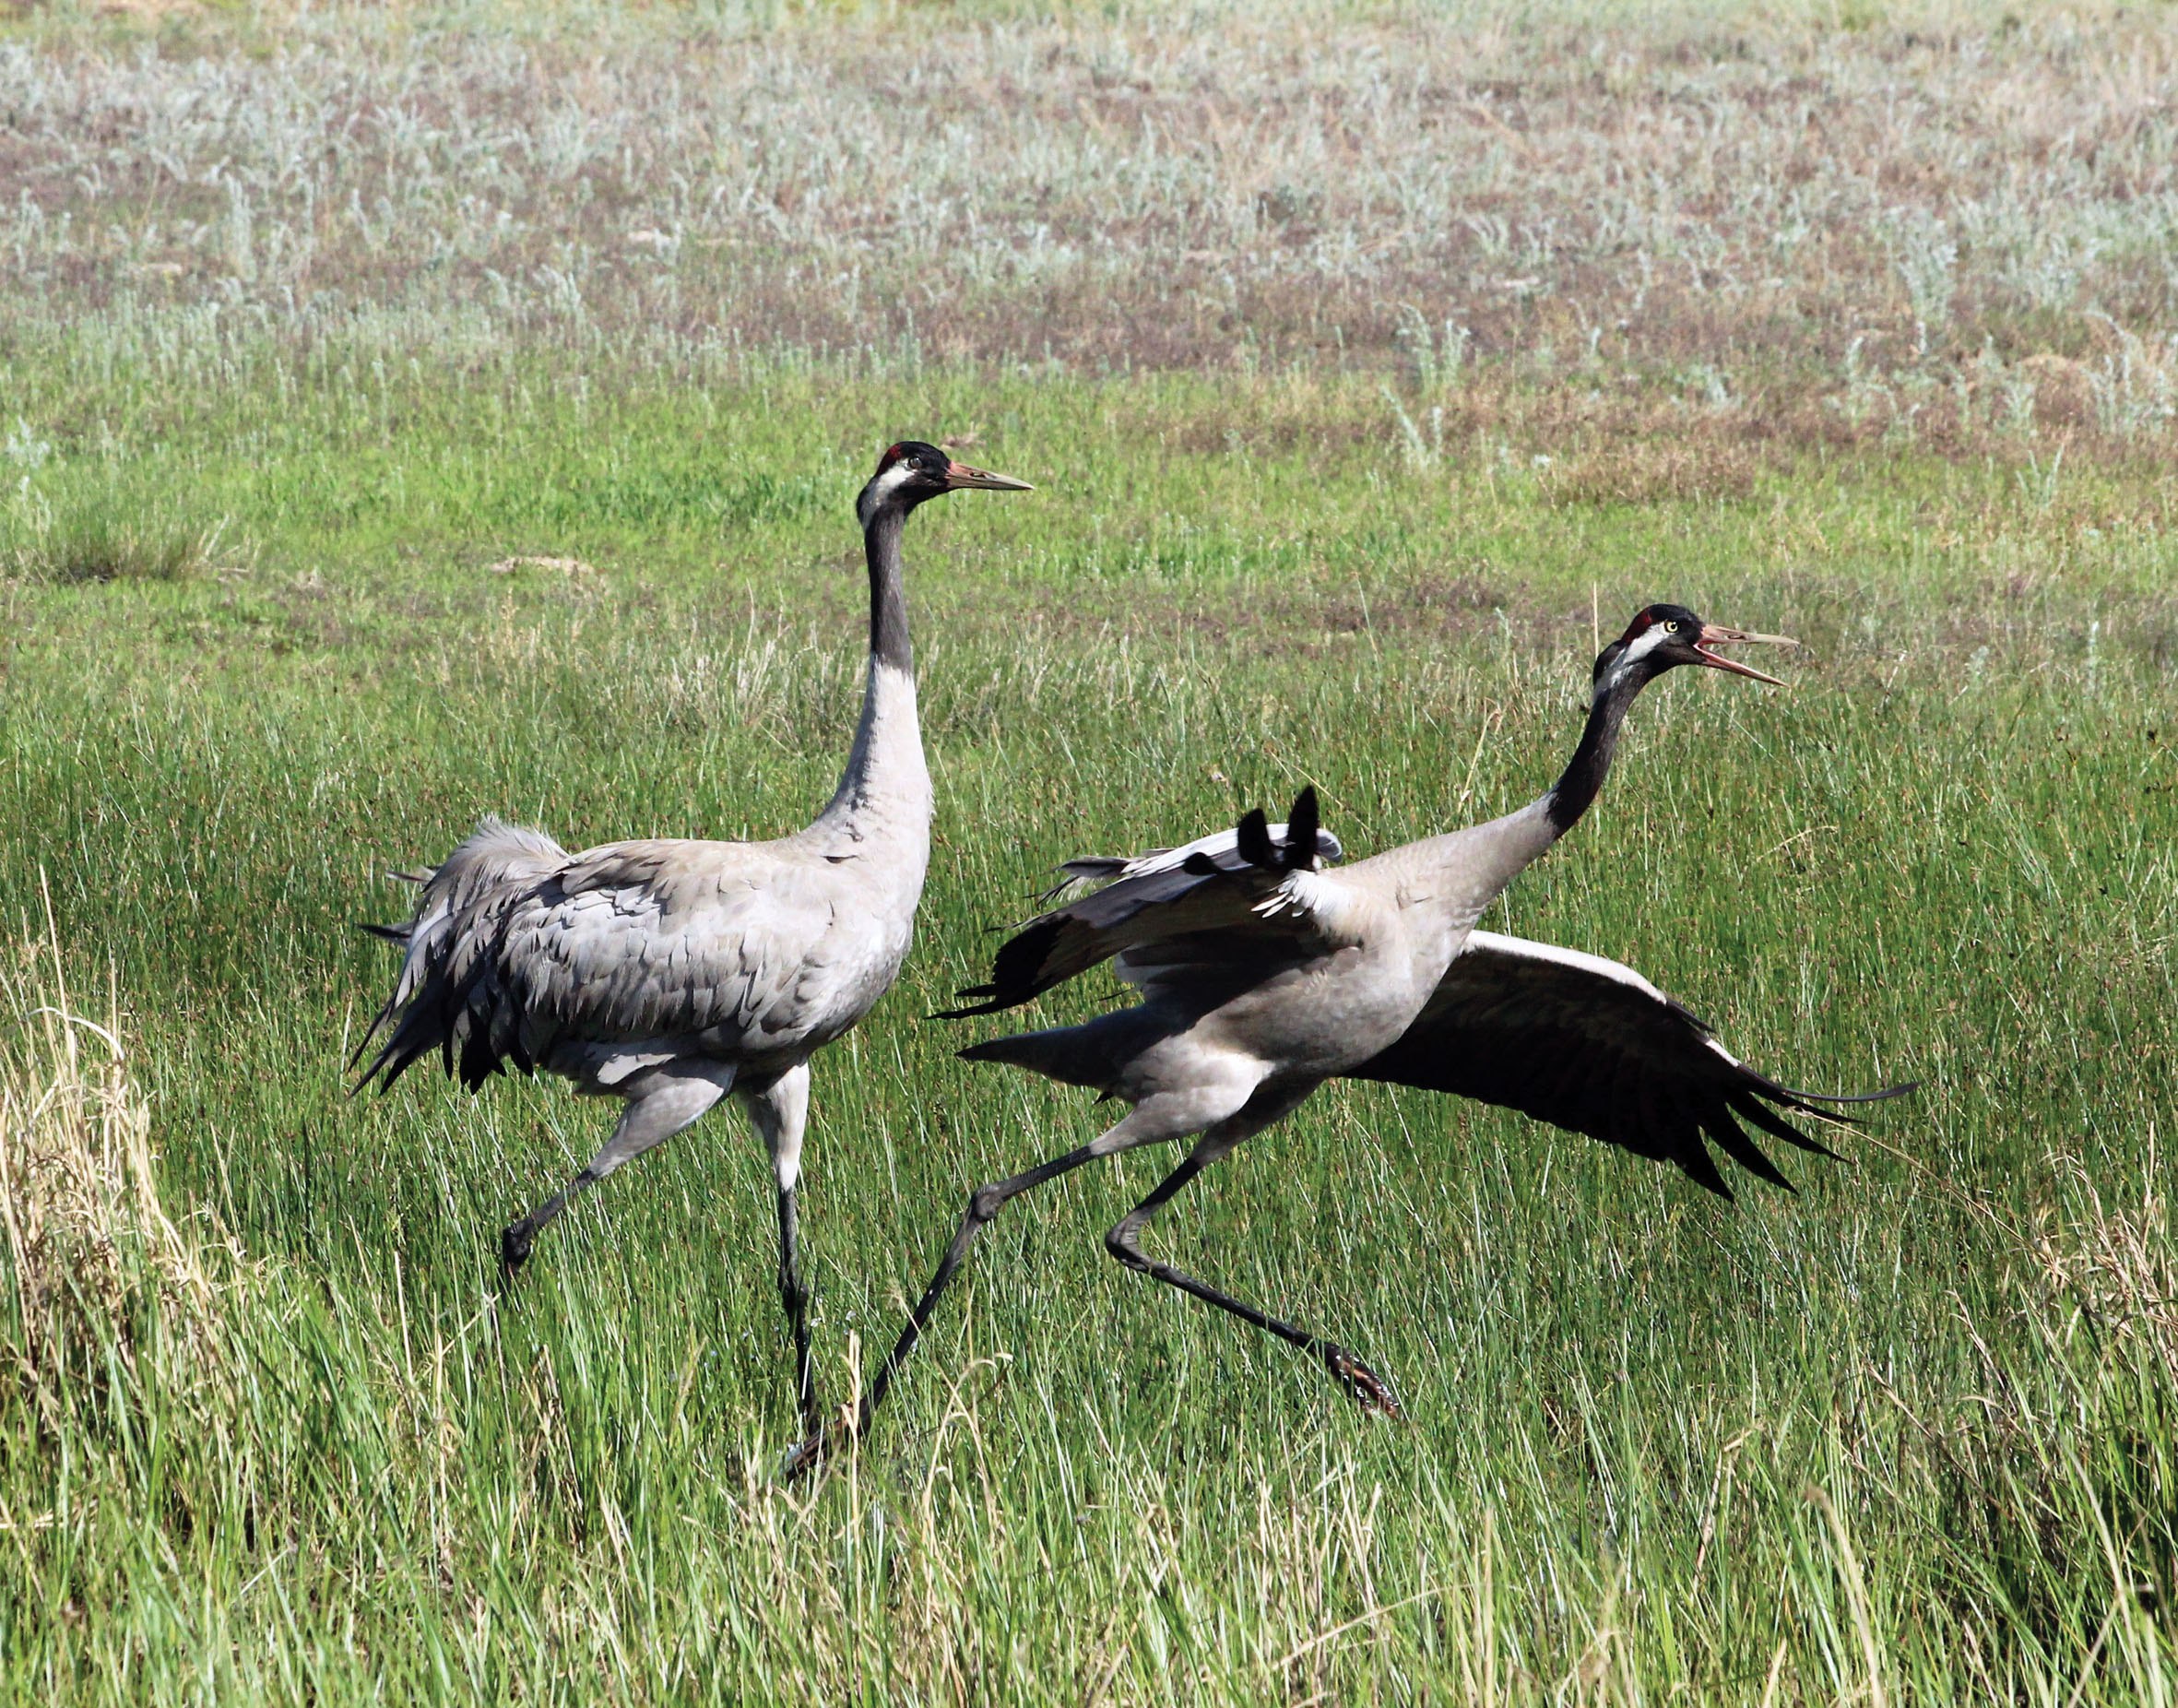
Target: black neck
1582, 780
888, 595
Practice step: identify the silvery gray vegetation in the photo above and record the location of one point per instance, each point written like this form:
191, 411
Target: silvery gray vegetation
1961, 227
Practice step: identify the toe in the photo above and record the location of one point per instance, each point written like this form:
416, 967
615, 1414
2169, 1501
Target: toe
1368, 1389
802, 1457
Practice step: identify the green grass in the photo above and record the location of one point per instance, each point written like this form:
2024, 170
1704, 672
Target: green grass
1906, 1436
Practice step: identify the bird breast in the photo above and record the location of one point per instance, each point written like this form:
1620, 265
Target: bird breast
858, 955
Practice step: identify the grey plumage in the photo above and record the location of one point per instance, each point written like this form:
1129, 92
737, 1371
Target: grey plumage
590, 965
451, 991
671, 973
1202, 886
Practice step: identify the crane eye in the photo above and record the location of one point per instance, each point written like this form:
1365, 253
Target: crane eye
1672, 627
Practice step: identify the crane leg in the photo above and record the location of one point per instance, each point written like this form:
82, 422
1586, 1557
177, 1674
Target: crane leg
1366, 1386
660, 1104
780, 1111
1165, 1116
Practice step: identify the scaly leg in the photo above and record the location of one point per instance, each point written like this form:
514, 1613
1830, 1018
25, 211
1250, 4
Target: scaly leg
1167, 1116
660, 1104
780, 1111
1356, 1378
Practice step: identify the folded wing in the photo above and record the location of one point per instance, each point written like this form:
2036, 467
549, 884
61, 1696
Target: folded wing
518, 947
1240, 895
1589, 1045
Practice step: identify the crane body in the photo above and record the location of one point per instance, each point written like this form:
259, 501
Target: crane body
672, 973
1263, 973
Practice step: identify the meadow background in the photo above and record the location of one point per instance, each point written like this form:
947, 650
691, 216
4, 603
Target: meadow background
415, 411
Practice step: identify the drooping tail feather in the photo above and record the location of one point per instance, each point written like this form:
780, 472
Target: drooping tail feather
450, 950
1092, 1054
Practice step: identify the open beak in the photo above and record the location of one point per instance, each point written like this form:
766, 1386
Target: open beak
1714, 635
959, 475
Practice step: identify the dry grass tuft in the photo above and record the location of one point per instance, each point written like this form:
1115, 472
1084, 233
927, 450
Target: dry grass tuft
96, 1266
551, 565
2116, 1268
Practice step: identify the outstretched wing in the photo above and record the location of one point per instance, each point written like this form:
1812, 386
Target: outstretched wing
1591, 1046
1257, 881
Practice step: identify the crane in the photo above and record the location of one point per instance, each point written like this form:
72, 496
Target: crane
669, 973
1263, 975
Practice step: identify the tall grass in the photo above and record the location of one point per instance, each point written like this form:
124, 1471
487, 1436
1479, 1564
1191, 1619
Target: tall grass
1369, 363
1905, 1433
105, 542
1943, 223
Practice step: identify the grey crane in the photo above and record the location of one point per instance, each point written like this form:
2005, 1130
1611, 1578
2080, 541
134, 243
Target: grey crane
668, 973
1263, 975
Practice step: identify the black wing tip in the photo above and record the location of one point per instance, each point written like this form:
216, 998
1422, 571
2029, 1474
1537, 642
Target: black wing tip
391, 933
1700, 1168
991, 999
1750, 1108
1300, 832
1733, 1140
1857, 1096
1251, 838
1017, 969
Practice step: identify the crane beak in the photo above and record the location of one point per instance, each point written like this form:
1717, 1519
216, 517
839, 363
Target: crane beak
959, 475
1714, 635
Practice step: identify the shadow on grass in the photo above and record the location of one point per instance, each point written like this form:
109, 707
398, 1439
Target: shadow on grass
105, 540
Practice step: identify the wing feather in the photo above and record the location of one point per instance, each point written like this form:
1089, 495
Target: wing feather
1242, 896
1222, 846
518, 946
1589, 1045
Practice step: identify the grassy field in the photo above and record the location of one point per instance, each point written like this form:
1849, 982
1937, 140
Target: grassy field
303, 573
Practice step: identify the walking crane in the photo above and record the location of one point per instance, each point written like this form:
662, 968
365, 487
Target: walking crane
669, 973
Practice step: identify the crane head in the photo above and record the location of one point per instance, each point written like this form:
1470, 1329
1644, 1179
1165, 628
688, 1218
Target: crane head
1663, 636
912, 471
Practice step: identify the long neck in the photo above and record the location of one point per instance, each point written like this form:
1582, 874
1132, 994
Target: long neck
1460, 874
888, 594
886, 786
1583, 779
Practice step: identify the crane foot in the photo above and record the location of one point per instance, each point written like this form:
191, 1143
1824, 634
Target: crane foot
513, 1249
803, 1457
844, 1430
1370, 1391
